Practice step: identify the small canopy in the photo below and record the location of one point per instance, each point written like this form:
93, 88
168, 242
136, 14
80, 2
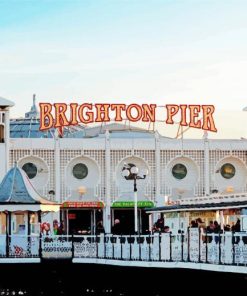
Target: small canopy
200, 207
18, 194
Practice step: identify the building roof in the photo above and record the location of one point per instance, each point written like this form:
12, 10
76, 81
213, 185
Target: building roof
6, 103
28, 128
16, 188
215, 202
200, 207
116, 130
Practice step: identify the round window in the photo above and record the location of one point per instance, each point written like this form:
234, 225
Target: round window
30, 169
227, 171
80, 171
179, 171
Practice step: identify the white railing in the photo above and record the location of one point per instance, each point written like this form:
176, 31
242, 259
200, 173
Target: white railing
23, 246
225, 248
54, 247
195, 246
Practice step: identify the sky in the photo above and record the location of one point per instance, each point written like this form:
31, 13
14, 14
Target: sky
163, 52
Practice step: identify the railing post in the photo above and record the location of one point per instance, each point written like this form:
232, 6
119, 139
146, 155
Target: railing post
159, 246
188, 244
40, 245
104, 247
170, 235
182, 246
121, 244
149, 248
130, 249
140, 249
199, 243
233, 247
97, 247
219, 249
206, 255
112, 242
72, 248
7, 245
28, 235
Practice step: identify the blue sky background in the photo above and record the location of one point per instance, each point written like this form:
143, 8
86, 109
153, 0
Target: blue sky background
127, 51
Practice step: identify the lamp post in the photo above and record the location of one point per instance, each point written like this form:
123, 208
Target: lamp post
130, 172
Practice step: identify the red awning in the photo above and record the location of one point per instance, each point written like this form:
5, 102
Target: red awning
82, 204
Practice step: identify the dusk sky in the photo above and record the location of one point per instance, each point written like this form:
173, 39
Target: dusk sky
163, 52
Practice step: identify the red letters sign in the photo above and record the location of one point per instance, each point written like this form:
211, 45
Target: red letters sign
60, 115
82, 204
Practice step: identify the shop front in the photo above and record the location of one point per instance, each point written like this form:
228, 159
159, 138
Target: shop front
227, 215
81, 217
124, 212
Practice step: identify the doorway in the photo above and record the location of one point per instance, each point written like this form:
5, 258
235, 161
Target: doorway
82, 221
126, 217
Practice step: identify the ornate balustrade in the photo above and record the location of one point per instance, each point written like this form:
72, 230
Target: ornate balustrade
195, 246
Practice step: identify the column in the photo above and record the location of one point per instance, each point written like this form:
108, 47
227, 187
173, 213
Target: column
7, 135
157, 173
57, 170
107, 210
206, 167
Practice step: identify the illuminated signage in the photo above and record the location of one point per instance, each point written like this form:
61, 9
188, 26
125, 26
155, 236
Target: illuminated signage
131, 204
60, 115
82, 204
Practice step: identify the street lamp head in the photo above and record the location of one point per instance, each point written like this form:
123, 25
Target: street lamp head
144, 172
245, 108
125, 173
134, 170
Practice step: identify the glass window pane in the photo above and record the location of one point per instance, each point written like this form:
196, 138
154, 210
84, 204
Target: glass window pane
30, 169
227, 171
18, 223
2, 223
179, 171
80, 171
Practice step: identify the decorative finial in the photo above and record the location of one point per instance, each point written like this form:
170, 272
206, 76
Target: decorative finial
34, 99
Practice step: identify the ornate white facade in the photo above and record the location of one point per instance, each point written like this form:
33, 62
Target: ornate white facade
204, 166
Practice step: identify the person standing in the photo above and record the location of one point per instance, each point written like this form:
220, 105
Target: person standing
117, 227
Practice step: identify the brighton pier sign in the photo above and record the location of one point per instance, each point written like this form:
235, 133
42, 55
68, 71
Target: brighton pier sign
59, 115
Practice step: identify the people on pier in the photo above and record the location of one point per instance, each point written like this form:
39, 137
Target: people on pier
117, 227
236, 226
227, 227
61, 230
99, 227
166, 229
55, 227
159, 225
194, 224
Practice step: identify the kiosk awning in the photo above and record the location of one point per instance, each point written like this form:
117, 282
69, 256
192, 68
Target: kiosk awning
131, 204
29, 207
82, 204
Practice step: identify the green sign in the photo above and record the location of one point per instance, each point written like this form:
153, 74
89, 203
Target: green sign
131, 204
